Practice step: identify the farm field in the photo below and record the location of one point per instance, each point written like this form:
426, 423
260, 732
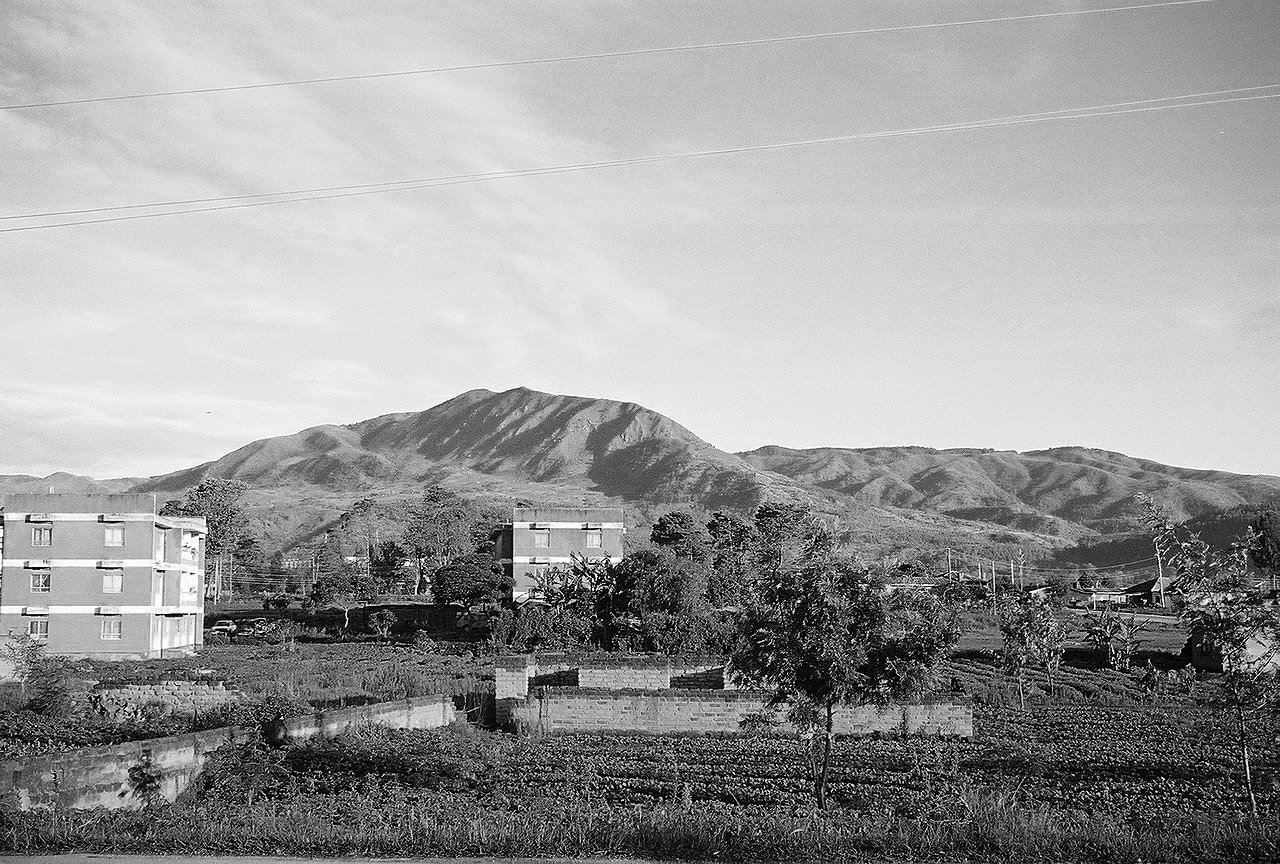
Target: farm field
1054, 783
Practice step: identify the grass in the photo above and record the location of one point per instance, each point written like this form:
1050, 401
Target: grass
375, 820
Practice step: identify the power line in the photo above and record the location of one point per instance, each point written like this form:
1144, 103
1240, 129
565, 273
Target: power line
458, 178
448, 180
600, 55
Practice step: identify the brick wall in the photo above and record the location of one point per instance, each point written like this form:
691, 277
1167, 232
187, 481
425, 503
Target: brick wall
99, 776
580, 709
625, 673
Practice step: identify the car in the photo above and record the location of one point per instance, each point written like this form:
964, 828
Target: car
226, 625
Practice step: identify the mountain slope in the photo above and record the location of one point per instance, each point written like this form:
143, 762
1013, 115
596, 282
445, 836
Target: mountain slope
1077, 485
617, 449
545, 448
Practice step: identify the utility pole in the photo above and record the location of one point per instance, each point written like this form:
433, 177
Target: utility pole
949, 564
1160, 577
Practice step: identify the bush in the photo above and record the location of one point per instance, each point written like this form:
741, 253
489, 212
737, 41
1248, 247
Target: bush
49, 682
423, 642
217, 639
277, 601
441, 759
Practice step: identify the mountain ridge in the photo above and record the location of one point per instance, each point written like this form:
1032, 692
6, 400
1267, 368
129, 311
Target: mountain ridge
522, 443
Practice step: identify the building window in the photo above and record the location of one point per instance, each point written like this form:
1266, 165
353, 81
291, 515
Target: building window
112, 581
114, 535
190, 547
38, 629
111, 627
595, 539
42, 535
542, 539
161, 536
40, 581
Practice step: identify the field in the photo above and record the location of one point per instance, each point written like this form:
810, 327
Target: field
1055, 783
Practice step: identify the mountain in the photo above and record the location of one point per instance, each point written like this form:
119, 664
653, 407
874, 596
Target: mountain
614, 449
61, 481
526, 445
1041, 490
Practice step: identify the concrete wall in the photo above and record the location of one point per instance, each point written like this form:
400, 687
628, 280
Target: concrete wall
421, 712
579, 709
99, 776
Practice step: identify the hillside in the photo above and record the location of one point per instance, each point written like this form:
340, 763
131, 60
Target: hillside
1053, 491
61, 481
524, 445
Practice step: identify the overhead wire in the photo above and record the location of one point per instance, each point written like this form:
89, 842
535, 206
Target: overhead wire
335, 192
390, 184
600, 55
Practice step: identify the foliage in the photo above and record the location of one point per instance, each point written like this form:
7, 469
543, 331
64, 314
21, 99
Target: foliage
548, 627
1265, 552
49, 687
1031, 635
822, 632
680, 532
1229, 612
474, 579
381, 622
219, 501
439, 529
277, 601
23, 655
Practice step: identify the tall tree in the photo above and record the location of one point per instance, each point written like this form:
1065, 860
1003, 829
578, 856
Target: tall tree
1229, 612
219, 501
439, 530
1265, 552
1032, 636
682, 533
782, 532
821, 632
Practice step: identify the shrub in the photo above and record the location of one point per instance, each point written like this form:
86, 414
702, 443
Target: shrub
423, 642
217, 639
49, 683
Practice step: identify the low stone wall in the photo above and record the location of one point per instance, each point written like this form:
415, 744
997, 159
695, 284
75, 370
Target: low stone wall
188, 698
99, 776
578, 709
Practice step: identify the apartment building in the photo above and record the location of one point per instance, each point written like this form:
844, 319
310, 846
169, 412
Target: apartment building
101, 576
539, 538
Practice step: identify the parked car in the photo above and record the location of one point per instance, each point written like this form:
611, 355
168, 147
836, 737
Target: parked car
226, 625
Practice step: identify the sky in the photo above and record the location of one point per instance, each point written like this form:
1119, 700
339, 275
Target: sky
1111, 282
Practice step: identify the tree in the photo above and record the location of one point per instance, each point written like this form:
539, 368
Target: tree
218, 500
680, 532
385, 562
381, 622
820, 632
1228, 612
781, 534
1265, 551
475, 579
1032, 636
438, 530
732, 539
1100, 632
